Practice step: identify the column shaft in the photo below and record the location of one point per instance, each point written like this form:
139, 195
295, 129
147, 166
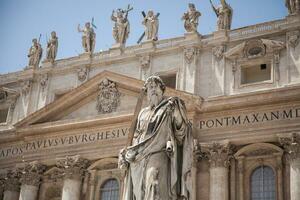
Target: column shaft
11, 195
29, 192
295, 179
71, 189
219, 183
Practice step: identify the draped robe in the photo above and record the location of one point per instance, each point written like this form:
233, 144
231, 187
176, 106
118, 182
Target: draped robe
153, 173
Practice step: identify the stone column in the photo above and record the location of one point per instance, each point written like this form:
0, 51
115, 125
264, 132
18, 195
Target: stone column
219, 160
11, 186
92, 184
241, 177
292, 148
74, 168
30, 179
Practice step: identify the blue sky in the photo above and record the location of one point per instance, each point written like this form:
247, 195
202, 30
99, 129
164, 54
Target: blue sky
22, 20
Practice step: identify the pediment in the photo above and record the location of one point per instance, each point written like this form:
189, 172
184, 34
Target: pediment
82, 103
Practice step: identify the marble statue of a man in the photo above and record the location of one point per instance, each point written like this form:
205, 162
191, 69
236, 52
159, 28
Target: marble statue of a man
35, 53
158, 162
151, 24
224, 15
121, 28
191, 18
88, 37
293, 6
52, 46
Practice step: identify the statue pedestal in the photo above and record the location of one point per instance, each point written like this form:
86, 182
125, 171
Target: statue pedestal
148, 44
192, 36
117, 49
293, 18
46, 63
220, 36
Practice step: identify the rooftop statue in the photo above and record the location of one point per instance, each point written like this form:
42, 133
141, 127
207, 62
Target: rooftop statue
35, 54
158, 158
224, 15
52, 45
121, 28
151, 24
191, 18
293, 6
88, 37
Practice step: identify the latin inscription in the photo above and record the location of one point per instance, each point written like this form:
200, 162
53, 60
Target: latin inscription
62, 141
249, 119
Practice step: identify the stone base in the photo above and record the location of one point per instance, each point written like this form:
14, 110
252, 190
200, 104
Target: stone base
148, 44
192, 36
47, 63
221, 36
293, 17
117, 49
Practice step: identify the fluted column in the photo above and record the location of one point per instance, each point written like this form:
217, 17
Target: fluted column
219, 157
73, 167
292, 148
30, 180
11, 186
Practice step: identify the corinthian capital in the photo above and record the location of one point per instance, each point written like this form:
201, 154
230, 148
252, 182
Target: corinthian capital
73, 166
218, 154
291, 146
31, 173
11, 180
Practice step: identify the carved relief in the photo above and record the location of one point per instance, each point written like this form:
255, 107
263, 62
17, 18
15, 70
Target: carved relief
293, 38
291, 146
26, 85
73, 166
108, 97
31, 173
254, 49
189, 54
82, 73
219, 155
53, 175
145, 61
218, 52
44, 81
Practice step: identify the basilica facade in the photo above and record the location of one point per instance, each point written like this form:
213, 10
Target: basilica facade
63, 123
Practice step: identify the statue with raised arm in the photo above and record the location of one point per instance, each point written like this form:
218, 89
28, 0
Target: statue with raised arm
224, 15
151, 24
158, 160
88, 37
35, 54
52, 45
293, 6
121, 28
191, 18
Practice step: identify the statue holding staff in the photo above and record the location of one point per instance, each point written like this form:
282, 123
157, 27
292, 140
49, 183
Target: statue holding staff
151, 24
121, 28
88, 37
35, 53
224, 15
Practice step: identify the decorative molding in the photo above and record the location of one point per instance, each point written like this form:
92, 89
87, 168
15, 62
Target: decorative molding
145, 61
260, 152
44, 78
82, 73
219, 51
73, 166
189, 54
12, 180
108, 98
25, 87
254, 49
53, 175
219, 155
291, 146
31, 173
293, 38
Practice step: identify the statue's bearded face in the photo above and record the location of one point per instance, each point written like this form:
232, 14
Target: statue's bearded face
154, 93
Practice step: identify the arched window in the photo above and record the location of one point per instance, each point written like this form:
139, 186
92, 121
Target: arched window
263, 184
110, 190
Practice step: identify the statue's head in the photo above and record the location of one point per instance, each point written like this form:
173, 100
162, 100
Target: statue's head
192, 6
53, 34
155, 89
34, 41
119, 13
150, 13
88, 25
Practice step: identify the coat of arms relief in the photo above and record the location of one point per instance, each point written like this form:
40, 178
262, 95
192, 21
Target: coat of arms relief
108, 98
